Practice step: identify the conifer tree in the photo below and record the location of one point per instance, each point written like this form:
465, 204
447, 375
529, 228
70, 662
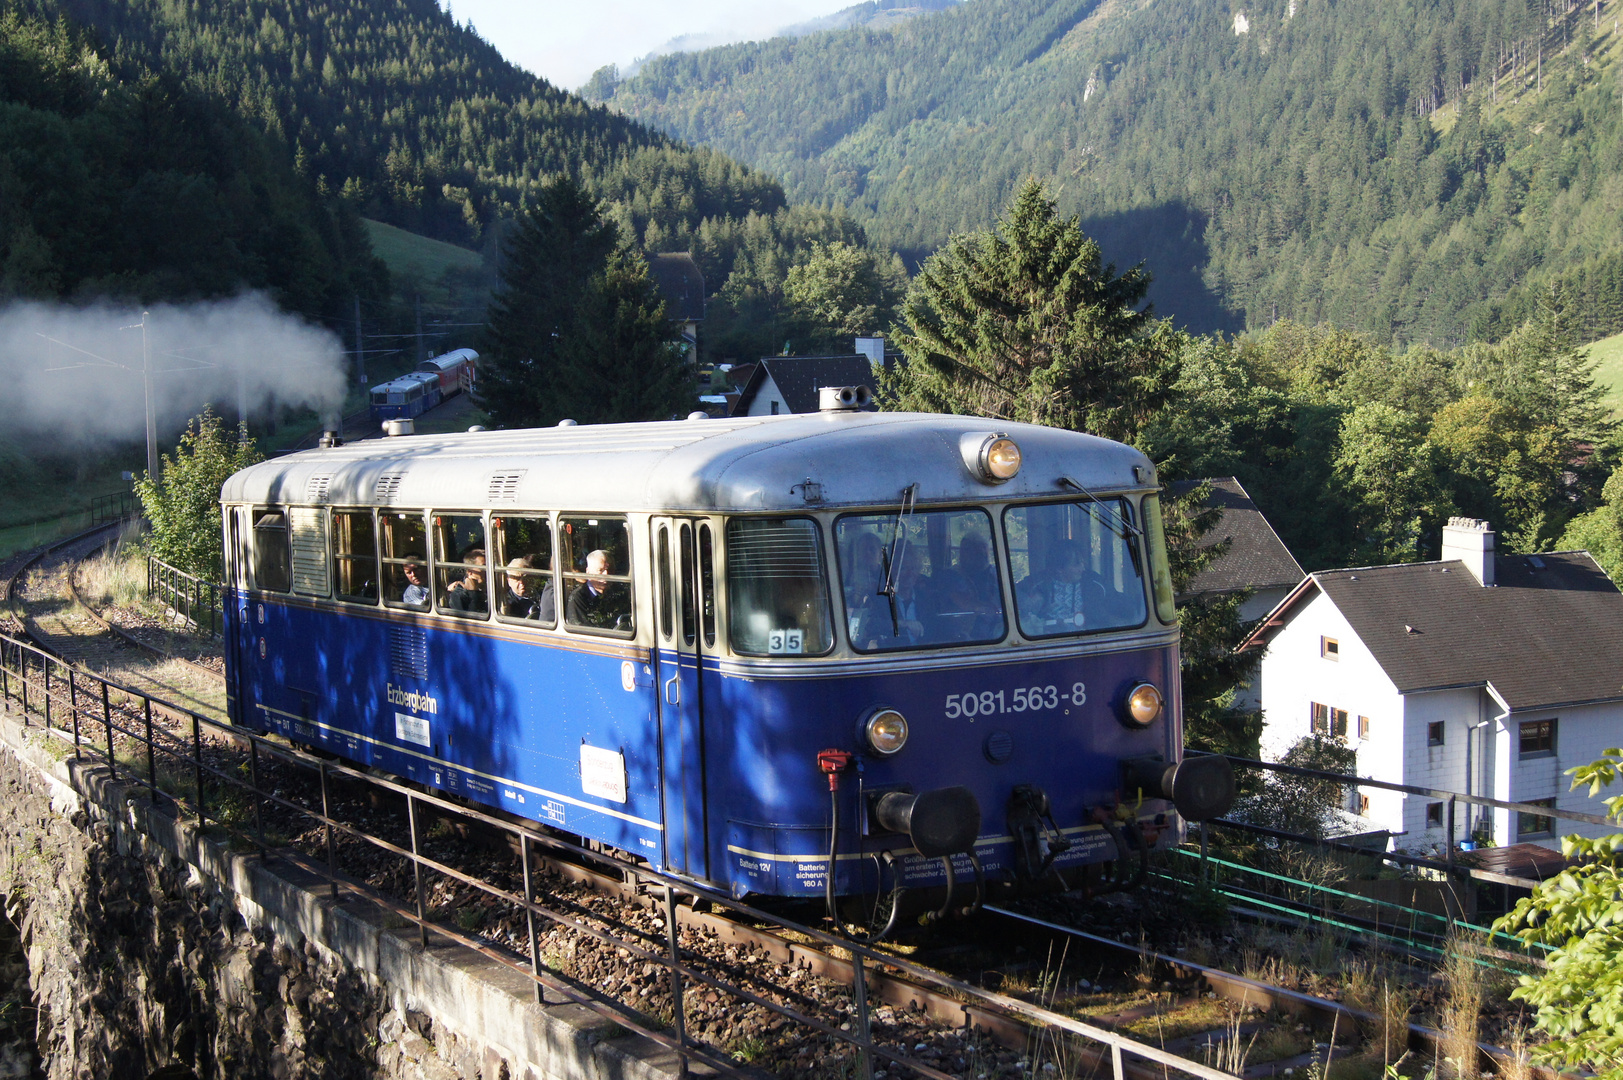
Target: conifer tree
1024, 321
577, 328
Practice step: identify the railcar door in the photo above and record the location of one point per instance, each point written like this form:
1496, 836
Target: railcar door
684, 561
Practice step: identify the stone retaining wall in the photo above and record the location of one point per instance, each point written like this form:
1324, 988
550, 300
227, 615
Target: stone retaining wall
148, 946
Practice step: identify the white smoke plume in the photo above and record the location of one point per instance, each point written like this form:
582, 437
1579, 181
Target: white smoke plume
76, 372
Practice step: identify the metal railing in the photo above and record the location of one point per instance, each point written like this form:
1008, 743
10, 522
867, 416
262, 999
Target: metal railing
159, 748
195, 601
119, 506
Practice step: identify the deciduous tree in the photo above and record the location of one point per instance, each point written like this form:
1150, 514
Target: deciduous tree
183, 501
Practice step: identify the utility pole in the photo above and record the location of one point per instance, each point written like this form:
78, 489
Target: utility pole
152, 409
419, 305
360, 349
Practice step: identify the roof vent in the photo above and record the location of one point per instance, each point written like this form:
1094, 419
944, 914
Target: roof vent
403, 426
315, 488
843, 398
387, 487
566, 423
504, 485
698, 414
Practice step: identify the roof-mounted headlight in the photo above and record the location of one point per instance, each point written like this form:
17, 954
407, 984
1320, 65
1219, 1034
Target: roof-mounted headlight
885, 731
991, 456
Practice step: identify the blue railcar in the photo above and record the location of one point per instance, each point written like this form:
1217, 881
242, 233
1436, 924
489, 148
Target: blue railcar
411, 395
912, 648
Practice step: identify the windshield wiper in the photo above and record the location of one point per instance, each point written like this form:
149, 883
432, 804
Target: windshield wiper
890, 560
1111, 518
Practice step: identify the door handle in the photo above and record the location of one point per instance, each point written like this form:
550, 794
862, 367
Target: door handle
673, 689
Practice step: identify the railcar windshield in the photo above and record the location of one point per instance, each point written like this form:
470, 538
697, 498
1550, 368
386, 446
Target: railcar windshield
1076, 567
918, 580
777, 595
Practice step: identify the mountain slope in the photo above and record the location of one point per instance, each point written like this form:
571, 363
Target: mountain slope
416, 119
1416, 168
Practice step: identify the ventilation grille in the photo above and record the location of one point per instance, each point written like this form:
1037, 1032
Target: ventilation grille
387, 487
504, 485
408, 652
309, 550
315, 488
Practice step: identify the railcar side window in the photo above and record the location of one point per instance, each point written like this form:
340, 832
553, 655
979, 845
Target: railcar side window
273, 558
597, 574
405, 558
707, 585
1075, 566
926, 580
777, 596
355, 556
1160, 571
459, 565
526, 584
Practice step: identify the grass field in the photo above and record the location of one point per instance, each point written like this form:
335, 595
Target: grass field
446, 276
1607, 353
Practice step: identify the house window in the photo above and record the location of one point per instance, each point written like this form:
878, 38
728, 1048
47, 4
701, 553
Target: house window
1538, 738
774, 408
1363, 727
1363, 806
1329, 648
1434, 815
1328, 721
1434, 733
1535, 824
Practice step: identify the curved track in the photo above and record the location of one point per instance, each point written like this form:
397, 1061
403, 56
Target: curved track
43, 594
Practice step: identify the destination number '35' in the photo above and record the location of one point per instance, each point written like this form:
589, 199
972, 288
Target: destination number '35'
1025, 699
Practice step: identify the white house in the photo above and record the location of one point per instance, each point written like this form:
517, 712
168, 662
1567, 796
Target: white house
1479, 674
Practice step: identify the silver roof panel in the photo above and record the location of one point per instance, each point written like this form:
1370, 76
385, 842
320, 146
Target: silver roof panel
736, 464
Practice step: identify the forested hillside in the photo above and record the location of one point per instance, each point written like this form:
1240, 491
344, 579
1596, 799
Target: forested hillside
394, 110
1406, 168
128, 184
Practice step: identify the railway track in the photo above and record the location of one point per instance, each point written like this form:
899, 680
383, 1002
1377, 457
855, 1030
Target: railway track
959, 1020
45, 598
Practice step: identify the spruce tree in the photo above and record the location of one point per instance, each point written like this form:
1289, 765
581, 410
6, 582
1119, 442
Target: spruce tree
1025, 322
538, 315
577, 328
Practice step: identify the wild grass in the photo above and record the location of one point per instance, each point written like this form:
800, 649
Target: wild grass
1460, 1019
1230, 1052
117, 574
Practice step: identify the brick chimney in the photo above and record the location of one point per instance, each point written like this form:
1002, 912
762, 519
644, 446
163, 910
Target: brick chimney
1470, 540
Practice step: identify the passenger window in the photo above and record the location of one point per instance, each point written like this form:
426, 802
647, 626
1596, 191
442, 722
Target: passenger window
405, 559
777, 596
597, 575
707, 586
526, 584
273, 559
1075, 567
355, 556
685, 540
663, 571
459, 566
926, 579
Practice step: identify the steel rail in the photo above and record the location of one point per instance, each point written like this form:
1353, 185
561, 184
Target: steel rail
1117, 1045
1247, 991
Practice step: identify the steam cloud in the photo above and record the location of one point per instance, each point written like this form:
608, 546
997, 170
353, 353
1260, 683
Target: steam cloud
75, 372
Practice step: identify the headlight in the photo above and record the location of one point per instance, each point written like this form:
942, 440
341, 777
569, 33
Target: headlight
991, 456
1143, 704
886, 731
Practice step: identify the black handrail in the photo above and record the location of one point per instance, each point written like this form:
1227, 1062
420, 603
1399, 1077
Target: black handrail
194, 600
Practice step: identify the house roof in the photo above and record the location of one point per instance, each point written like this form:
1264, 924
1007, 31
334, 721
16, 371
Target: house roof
681, 284
798, 379
1549, 633
1256, 559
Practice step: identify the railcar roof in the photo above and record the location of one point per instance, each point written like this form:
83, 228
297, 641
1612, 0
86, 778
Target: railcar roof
736, 464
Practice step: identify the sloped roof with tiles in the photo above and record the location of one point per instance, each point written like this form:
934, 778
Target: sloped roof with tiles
1548, 633
1256, 558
